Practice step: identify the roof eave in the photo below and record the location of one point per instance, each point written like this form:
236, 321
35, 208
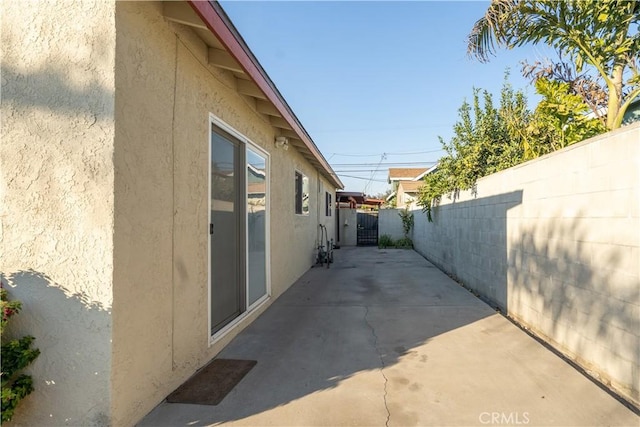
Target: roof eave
217, 21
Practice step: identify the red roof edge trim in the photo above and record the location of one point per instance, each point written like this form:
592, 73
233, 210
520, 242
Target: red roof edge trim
220, 25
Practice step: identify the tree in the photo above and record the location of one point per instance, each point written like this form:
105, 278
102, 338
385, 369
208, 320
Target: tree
487, 139
602, 34
384, 196
581, 84
560, 118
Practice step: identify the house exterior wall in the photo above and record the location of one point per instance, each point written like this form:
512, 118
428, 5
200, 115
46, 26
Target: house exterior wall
405, 198
165, 92
400, 197
555, 243
56, 201
328, 221
105, 187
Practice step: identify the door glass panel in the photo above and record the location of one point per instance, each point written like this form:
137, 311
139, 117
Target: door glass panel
226, 289
256, 223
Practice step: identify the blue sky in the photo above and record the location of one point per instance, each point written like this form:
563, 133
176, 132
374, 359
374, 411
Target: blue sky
369, 78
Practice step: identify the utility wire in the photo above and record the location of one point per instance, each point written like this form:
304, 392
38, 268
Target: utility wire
388, 154
360, 171
434, 126
382, 157
359, 177
382, 164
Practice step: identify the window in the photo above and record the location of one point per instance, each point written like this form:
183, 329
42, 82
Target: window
327, 198
302, 194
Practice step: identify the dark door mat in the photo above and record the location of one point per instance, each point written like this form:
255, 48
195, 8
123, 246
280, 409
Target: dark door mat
211, 384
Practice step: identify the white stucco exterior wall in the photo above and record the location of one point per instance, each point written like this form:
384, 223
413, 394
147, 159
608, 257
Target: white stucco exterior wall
104, 187
56, 200
165, 91
555, 242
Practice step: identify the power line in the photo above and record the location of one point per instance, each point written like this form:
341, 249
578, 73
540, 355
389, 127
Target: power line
434, 126
382, 157
417, 152
359, 171
388, 154
359, 177
397, 164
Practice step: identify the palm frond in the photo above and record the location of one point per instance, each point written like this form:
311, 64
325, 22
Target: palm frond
492, 29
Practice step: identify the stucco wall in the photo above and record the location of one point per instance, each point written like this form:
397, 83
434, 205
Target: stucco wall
349, 224
390, 223
56, 200
556, 243
165, 92
405, 197
321, 215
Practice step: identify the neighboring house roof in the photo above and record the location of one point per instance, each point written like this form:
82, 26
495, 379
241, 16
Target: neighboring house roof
428, 171
409, 174
229, 51
400, 174
357, 198
410, 186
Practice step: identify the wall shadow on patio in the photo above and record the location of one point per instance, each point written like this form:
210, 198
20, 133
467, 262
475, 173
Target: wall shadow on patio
551, 269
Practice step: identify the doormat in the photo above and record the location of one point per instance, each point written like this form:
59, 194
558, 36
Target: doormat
211, 384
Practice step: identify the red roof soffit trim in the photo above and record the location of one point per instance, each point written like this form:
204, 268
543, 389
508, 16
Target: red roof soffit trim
218, 26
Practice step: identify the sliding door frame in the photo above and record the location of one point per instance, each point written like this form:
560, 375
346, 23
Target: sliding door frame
245, 144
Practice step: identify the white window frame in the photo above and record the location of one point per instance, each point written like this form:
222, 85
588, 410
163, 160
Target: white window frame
295, 204
218, 122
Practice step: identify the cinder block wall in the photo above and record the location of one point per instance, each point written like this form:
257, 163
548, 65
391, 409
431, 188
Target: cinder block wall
390, 223
555, 243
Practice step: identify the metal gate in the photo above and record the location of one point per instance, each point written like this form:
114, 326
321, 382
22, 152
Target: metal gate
367, 228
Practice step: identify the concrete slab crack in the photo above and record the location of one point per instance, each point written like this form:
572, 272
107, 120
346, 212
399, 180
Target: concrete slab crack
382, 364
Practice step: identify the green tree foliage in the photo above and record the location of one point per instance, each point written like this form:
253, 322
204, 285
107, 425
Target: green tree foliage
488, 139
602, 35
582, 84
561, 119
16, 355
407, 221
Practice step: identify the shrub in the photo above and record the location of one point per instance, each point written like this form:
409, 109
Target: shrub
385, 241
407, 221
16, 355
404, 243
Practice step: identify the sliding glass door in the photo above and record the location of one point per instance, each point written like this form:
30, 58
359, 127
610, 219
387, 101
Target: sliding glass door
225, 229
238, 228
256, 225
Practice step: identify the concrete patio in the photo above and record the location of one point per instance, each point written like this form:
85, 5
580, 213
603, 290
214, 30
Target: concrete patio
385, 338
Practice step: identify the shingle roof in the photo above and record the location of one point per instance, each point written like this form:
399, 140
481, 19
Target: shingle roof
405, 173
411, 186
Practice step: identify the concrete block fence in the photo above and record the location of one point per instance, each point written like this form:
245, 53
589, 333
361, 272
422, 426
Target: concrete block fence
555, 243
